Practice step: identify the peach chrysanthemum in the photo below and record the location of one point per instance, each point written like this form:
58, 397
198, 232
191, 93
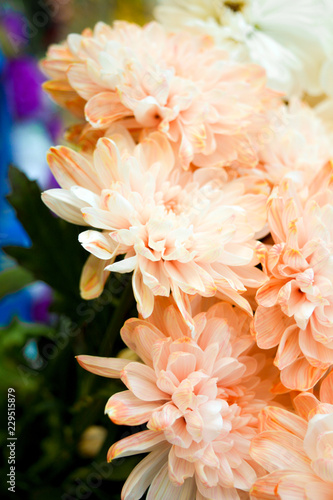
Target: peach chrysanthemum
296, 145
178, 84
297, 451
200, 399
296, 304
181, 232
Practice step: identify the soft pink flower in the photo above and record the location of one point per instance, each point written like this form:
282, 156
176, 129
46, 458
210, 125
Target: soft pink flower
296, 304
295, 145
297, 451
178, 84
181, 232
200, 397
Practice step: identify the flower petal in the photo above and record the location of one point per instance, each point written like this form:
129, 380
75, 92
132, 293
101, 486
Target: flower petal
65, 205
72, 169
143, 474
162, 488
106, 367
300, 375
326, 389
273, 418
93, 277
141, 380
140, 442
276, 450
124, 408
105, 108
140, 336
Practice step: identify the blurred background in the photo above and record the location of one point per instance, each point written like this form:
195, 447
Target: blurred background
62, 433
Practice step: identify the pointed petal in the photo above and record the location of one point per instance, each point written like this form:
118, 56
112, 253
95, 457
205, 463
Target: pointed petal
106, 367
140, 442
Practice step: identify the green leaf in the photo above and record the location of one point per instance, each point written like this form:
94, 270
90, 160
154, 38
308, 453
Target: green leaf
13, 279
17, 333
55, 257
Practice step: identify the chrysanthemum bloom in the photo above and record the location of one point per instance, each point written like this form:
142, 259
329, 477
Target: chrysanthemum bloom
279, 35
199, 398
296, 451
180, 232
296, 145
296, 304
178, 84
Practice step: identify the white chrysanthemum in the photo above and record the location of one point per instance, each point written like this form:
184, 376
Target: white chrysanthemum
287, 38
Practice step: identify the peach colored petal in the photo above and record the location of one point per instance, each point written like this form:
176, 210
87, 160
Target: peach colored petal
300, 375
140, 336
141, 380
265, 487
318, 489
273, 418
142, 294
143, 474
269, 326
124, 408
99, 244
316, 353
104, 108
179, 469
279, 450
289, 349
326, 389
106, 367
140, 442
304, 403
162, 488
80, 81
63, 94
72, 169
93, 278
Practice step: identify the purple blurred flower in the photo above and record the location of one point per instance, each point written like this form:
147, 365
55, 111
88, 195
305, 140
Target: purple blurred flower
13, 22
23, 85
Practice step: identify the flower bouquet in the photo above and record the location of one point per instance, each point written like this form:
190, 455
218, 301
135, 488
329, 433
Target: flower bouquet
199, 165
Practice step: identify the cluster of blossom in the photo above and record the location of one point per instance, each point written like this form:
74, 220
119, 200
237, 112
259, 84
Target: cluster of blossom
216, 192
